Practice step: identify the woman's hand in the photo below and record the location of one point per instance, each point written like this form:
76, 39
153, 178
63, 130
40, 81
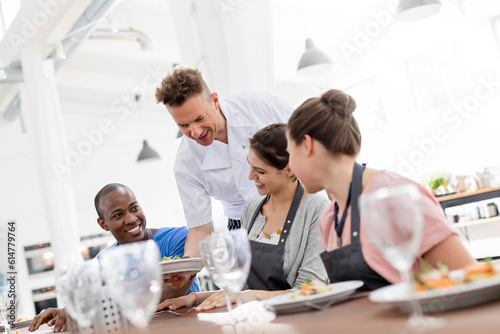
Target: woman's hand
53, 317
217, 299
176, 303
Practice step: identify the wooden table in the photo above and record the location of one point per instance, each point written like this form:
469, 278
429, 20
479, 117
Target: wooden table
354, 316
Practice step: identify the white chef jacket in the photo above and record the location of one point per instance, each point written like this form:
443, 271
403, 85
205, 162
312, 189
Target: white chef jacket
221, 170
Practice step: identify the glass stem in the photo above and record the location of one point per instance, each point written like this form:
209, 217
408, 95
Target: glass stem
228, 300
238, 298
415, 305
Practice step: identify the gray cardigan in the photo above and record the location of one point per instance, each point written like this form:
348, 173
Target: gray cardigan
303, 246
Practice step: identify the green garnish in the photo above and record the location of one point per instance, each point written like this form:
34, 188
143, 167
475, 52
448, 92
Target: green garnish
442, 268
424, 266
307, 282
170, 258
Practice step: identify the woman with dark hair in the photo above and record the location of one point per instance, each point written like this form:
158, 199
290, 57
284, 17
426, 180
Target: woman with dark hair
323, 142
281, 223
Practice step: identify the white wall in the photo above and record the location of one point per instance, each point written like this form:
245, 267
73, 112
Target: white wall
382, 48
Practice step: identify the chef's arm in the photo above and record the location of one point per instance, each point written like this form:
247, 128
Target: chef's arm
195, 235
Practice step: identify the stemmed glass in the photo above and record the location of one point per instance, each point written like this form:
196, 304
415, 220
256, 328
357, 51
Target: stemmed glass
132, 274
231, 256
78, 286
394, 221
207, 261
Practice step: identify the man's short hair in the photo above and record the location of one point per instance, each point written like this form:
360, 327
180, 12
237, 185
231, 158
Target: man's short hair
180, 84
103, 192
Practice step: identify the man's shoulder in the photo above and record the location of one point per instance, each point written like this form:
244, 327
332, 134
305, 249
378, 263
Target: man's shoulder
250, 95
170, 232
252, 104
104, 250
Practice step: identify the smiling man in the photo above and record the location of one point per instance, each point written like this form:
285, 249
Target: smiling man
120, 213
211, 160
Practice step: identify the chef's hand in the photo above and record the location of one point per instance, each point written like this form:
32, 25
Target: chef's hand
176, 282
53, 317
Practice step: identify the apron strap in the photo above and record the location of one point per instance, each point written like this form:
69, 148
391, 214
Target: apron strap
289, 217
357, 180
256, 213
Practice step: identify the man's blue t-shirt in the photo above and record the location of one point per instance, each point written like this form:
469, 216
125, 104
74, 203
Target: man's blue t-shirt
170, 241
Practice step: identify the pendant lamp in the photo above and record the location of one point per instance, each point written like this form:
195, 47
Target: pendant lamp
408, 10
313, 61
147, 153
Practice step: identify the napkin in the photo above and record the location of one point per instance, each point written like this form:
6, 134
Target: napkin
250, 318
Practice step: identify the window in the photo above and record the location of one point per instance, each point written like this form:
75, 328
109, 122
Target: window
8, 10
438, 78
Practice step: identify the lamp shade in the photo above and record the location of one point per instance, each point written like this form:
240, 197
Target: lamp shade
313, 61
147, 152
408, 10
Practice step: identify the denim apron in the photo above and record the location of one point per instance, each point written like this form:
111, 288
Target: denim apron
266, 271
347, 262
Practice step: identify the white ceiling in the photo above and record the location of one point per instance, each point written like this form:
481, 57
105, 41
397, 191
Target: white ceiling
102, 69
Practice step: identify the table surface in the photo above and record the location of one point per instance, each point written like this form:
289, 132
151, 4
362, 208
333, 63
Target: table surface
359, 315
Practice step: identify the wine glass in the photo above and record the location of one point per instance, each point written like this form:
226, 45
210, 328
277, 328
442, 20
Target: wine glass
207, 261
394, 220
78, 286
132, 274
231, 257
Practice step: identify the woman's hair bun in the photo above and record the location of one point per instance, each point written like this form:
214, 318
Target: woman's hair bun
342, 103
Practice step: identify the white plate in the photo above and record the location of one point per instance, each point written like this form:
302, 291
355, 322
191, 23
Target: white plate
182, 267
340, 291
438, 300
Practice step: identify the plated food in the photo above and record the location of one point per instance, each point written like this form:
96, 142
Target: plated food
309, 288
178, 266
313, 297
170, 258
443, 278
439, 290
